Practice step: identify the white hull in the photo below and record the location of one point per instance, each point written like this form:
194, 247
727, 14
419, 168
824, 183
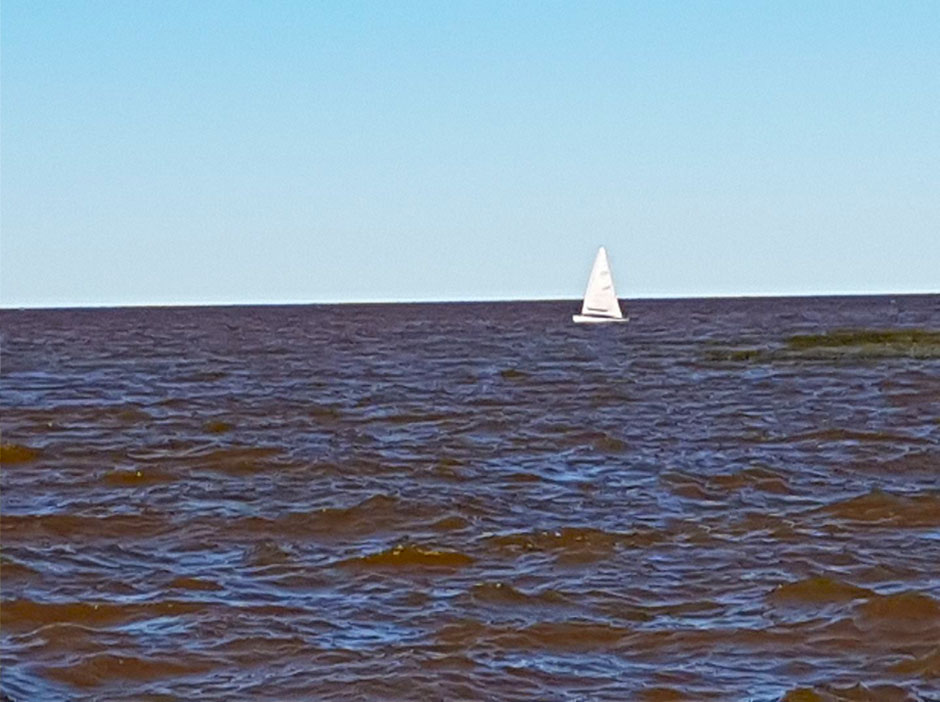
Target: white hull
586, 319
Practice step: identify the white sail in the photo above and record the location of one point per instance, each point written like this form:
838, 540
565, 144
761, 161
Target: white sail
600, 298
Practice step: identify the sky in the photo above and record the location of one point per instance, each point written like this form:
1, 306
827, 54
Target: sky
174, 152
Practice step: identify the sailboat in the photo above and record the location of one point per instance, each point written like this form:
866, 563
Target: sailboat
600, 299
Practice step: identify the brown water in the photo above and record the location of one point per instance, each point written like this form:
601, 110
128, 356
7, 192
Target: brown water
468, 502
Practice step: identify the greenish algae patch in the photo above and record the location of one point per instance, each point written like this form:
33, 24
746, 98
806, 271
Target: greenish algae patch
839, 345
803, 694
324, 413
860, 337
513, 374
218, 427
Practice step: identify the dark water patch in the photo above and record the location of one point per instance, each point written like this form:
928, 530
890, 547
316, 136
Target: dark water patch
671, 694
880, 508
568, 635
197, 584
694, 491
852, 693
411, 556
684, 610
218, 427
703, 641
926, 666
83, 415
11, 454
690, 487
916, 392
247, 650
573, 635
240, 460
203, 377
618, 610
755, 477
11, 570
905, 611
887, 575
175, 403
452, 523
776, 486
717, 487
610, 444
22, 615
324, 413
112, 669
925, 463
568, 543
49, 641
74, 528
820, 589
374, 515
450, 662
523, 477
556, 428
136, 478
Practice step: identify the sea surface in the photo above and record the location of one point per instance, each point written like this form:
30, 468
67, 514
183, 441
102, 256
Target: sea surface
477, 501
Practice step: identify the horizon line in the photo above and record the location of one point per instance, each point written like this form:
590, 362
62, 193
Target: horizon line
295, 303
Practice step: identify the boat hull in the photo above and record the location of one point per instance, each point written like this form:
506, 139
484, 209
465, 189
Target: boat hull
587, 319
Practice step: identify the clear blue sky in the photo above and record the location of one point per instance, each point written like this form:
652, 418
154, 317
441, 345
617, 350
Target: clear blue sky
198, 151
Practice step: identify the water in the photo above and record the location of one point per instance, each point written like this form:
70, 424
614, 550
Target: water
468, 502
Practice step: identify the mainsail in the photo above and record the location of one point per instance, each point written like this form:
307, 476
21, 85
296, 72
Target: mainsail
600, 299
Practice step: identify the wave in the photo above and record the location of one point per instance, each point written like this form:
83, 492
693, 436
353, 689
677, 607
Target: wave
411, 556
